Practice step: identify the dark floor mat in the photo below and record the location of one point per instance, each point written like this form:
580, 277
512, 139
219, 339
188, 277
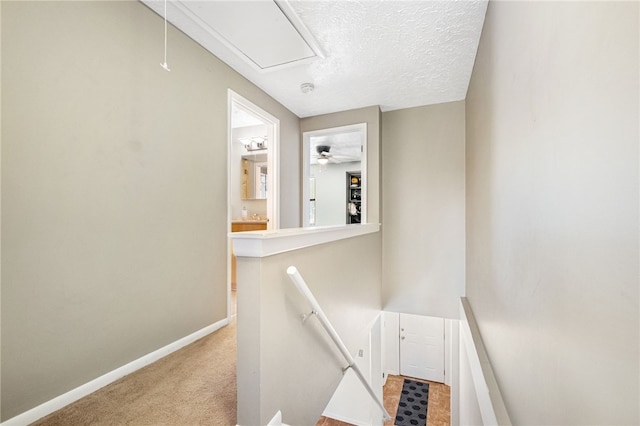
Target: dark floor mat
412, 408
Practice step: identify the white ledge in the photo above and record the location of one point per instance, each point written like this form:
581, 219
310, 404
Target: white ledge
268, 243
492, 408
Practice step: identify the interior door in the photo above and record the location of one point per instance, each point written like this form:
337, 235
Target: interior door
422, 347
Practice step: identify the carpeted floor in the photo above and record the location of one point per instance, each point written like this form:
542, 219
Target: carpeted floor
193, 386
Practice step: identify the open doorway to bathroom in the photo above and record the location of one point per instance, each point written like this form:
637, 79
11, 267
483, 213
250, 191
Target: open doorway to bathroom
252, 176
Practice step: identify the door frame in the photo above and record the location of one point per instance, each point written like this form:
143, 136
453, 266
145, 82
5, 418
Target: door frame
306, 166
235, 100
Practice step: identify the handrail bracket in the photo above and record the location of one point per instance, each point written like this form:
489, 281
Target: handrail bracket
305, 317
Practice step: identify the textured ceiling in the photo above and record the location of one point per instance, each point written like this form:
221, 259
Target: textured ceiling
392, 53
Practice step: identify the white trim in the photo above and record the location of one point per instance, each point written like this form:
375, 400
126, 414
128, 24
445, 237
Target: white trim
276, 420
268, 243
286, 10
73, 395
364, 174
391, 343
492, 408
300, 26
451, 343
235, 100
273, 199
229, 242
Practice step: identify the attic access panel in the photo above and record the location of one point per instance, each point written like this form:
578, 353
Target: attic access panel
256, 30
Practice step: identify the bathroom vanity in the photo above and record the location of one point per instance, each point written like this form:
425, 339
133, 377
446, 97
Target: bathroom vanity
248, 225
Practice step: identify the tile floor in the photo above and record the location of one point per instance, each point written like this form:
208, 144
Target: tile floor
437, 410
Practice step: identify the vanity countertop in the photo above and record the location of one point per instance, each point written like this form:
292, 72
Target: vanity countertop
248, 225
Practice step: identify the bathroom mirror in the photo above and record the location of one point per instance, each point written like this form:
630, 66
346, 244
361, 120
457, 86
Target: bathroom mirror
253, 177
334, 176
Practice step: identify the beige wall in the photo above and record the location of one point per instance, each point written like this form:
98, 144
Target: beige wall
552, 208
283, 363
371, 116
113, 191
423, 208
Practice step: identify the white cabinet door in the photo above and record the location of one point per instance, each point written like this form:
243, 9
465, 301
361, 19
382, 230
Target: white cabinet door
422, 347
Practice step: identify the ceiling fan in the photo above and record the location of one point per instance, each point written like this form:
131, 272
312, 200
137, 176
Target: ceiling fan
324, 156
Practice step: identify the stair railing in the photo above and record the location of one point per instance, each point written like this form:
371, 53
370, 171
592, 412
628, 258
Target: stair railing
297, 279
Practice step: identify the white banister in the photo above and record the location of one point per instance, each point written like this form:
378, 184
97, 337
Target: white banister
297, 279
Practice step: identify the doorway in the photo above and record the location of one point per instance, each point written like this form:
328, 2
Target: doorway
422, 347
334, 183
252, 175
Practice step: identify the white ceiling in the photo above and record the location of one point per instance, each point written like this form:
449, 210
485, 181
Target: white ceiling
357, 53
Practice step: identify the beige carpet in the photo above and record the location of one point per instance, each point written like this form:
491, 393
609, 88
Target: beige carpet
193, 386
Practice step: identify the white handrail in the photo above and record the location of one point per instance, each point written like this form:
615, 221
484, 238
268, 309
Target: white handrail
297, 279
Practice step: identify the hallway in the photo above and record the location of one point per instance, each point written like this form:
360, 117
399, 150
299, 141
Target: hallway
197, 385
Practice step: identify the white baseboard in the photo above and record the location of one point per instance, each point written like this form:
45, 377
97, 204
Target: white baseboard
73, 395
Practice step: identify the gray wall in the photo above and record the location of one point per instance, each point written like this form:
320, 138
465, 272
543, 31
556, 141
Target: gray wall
423, 209
283, 363
552, 208
371, 116
114, 180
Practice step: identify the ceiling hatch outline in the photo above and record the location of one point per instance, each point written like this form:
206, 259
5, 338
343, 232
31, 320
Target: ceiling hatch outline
277, 23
